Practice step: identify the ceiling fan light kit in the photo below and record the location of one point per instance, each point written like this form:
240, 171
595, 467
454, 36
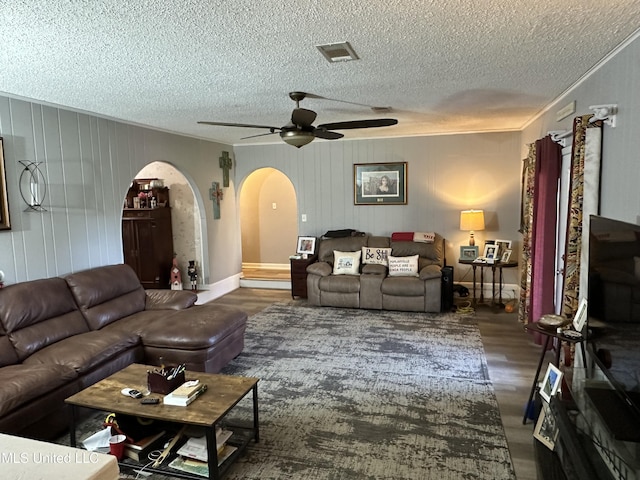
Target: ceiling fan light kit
297, 138
300, 131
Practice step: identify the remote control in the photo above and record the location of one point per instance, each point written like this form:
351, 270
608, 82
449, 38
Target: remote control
150, 401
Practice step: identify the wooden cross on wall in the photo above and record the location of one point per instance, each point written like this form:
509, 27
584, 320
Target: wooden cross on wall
226, 163
215, 194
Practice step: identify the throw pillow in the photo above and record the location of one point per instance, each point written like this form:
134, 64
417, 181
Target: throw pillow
403, 266
426, 237
346, 263
376, 256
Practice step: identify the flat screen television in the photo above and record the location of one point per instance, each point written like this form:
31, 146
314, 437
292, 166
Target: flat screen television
613, 323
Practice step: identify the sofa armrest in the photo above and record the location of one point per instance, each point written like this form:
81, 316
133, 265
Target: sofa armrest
430, 271
322, 269
158, 299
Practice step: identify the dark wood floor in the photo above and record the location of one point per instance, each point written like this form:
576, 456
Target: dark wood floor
511, 356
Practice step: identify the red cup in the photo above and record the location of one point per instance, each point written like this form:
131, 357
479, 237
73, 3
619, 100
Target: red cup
116, 446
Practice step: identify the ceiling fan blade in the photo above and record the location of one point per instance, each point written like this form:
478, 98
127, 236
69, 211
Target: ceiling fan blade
378, 122
258, 135
372, 107
246, 125
303, 117
326, 134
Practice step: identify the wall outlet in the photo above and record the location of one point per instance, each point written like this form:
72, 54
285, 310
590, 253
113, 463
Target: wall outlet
304, 217
274, 206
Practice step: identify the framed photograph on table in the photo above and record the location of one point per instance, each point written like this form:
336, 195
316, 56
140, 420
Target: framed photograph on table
503, 245
581, 316
546, 430
506, 256
5, 223
468, 253
380, 183
490, 252
550, 382
306, 245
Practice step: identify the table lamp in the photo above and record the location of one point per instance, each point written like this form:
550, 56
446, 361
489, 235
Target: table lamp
472, 220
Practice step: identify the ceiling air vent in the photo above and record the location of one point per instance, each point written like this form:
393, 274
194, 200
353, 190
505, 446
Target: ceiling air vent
338, 52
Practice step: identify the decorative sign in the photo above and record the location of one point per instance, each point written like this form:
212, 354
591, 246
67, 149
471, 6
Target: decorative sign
215, 194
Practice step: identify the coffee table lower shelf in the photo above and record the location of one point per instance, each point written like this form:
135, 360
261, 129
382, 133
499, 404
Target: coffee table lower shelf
224, 392
240, 440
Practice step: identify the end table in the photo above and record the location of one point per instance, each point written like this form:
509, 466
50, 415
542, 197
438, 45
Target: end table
494, 266
299, 275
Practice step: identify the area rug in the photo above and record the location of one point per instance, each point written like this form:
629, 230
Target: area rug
358, 394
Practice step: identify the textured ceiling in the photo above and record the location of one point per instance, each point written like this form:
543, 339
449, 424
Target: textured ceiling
444, 66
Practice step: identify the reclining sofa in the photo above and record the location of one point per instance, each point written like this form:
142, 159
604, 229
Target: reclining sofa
373, 283
60, 335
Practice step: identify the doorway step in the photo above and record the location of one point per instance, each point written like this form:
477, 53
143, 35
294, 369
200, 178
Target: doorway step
274, 278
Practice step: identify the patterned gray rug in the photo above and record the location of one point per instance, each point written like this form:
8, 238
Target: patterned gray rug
357, 394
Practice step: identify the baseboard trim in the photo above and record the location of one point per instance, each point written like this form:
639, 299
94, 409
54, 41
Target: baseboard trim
267, 284
209, 292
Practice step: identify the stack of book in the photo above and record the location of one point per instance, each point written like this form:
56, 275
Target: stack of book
193, 456
139, 451
185, 394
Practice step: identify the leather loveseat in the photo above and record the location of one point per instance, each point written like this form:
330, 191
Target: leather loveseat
371, 285
60, 335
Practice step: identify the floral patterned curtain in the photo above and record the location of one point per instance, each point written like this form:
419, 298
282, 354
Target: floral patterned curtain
526, 227
584, 200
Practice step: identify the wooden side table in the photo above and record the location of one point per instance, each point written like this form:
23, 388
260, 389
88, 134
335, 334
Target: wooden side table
494, 266
550, 335
299, 275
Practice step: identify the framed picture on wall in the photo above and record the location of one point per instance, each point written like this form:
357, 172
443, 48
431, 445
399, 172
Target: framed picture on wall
380, 183
5, 223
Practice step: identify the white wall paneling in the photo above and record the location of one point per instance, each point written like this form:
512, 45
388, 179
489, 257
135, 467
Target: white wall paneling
88, 163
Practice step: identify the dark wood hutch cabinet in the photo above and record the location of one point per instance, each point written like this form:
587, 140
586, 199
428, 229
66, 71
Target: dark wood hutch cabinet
147, 237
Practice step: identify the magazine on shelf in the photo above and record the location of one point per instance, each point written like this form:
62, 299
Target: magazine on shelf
196, 447
198, 467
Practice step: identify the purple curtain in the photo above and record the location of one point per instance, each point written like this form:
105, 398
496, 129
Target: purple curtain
543, 237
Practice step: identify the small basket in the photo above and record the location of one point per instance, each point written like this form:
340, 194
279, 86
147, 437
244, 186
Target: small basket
157, 383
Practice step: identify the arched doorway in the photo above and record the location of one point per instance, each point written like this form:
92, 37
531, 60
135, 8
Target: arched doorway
186, 218
269, 226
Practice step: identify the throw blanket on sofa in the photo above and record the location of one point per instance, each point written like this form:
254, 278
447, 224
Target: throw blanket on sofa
426, 237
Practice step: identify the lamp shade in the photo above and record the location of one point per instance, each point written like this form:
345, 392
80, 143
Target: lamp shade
472, 220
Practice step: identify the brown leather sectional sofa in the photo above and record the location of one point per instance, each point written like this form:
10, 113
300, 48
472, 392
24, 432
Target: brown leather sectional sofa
60, 335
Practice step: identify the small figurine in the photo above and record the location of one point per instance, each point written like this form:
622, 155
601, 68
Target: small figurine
193, 274
176, 278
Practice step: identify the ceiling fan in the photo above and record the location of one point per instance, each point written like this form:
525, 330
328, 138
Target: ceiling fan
300, 131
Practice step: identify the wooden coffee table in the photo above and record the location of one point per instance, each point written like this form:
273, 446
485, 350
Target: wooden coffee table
223, 393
